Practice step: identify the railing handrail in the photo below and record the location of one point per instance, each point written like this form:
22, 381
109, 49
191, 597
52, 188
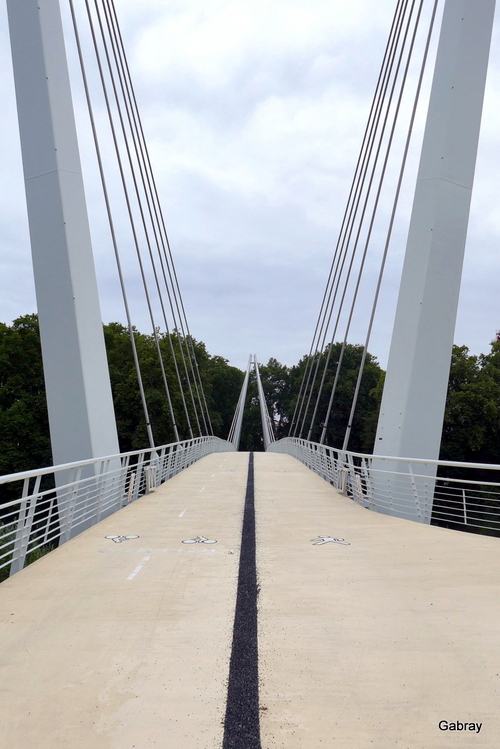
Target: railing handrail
38, 520
6, 478
424, 461
413, 491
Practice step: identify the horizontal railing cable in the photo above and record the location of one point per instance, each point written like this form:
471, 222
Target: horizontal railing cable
463, 496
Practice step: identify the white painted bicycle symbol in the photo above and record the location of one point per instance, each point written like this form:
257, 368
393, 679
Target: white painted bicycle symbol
120, 539
329, 540
200, 540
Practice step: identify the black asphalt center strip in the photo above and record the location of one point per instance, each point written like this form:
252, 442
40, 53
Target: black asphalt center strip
241, 726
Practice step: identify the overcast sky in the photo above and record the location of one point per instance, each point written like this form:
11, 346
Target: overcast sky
254, 112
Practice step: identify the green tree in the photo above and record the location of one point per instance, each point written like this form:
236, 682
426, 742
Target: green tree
24, 426
221, 386
368, 404
281, 385
471, 429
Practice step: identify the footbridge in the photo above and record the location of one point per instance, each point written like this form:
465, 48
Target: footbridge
372, 631
194, 596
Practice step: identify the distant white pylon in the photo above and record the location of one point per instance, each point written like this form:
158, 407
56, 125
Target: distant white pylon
235, 431
267, 424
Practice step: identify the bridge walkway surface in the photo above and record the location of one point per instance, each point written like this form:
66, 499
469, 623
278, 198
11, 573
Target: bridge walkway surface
111, 644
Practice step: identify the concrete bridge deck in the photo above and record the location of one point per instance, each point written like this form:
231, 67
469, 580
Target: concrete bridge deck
370, 645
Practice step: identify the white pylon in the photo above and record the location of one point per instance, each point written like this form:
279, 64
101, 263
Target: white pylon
414, 397
267, 424
235, 431
81, 415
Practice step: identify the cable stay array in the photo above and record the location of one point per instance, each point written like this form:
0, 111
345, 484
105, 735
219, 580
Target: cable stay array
120, 146
359, 260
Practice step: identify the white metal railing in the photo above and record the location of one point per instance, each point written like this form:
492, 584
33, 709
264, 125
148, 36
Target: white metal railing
408, 487
42, 509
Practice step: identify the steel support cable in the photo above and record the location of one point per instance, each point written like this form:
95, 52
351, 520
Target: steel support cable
121, 168
353, 216
295, 420
337, 286
360, 271
119, 69
112, 229
354, 219
147, 176
177, 295
391, 225
316, 346
362, 219
118, 55
372, 220
352, 203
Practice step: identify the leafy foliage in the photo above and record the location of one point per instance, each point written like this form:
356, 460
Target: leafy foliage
24, 425
471, 431
471, 426
282, 386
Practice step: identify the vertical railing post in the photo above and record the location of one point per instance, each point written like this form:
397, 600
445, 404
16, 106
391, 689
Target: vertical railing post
24, 525
418, 509
69, 503
138, 477
369, 484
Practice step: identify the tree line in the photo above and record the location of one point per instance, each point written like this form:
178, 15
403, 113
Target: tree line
24, 425
471, 429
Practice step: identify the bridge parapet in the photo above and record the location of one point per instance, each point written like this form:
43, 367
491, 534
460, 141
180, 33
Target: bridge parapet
52, 505
464, 496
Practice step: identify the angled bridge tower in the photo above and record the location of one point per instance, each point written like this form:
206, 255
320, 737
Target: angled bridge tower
81, 415
414, 397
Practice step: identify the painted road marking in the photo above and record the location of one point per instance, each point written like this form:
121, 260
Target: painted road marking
200, 540
138, 568
328, 540
120, 539
182, 513
201, 489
